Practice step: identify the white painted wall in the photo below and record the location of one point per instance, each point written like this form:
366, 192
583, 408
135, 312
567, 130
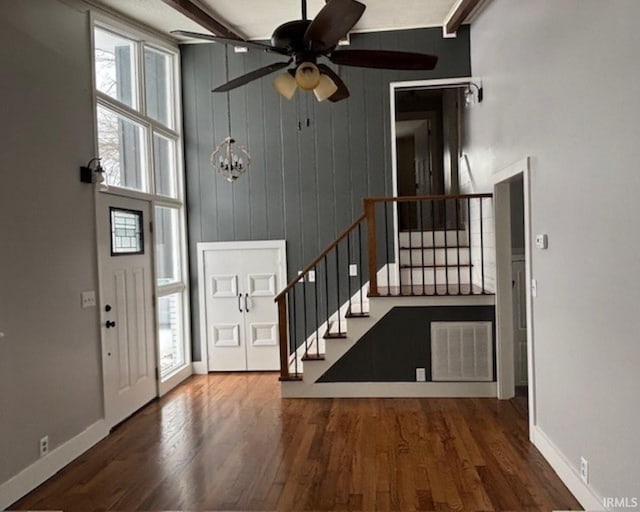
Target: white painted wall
561, 85
50, 377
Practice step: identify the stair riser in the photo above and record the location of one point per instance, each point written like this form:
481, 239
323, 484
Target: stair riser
427, 239
417, 257
441, 277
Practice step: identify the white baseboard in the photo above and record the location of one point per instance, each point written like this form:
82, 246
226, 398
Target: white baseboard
200, 367
587, 497
44, 468
297, 389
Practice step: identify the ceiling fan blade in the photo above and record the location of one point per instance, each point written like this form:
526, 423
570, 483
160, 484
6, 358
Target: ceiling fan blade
235, 42
333, 22
342, 93
383, 59
254, 75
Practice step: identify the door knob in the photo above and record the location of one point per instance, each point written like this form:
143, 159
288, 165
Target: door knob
107, 308
109, 324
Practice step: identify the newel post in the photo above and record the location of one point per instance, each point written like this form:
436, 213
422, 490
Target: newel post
370, 212
282, 333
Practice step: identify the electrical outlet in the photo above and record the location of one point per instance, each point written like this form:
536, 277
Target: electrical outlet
584, 470
44, 446
353, 270
311, 276
534, 288
421, 375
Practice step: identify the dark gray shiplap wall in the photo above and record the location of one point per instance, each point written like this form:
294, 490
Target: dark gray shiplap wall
304, 185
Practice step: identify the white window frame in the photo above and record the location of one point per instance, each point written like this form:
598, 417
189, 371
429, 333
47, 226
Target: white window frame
145, 39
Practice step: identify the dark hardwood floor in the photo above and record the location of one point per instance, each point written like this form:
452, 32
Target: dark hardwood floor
229, 442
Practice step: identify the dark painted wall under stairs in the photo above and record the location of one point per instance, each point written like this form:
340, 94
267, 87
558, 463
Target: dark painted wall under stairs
399, 343
305, 184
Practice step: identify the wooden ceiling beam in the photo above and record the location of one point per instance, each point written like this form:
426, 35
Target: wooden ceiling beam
459, 13
202, 18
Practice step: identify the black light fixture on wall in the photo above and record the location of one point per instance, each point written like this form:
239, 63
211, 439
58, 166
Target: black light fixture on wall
93, 172
471, 96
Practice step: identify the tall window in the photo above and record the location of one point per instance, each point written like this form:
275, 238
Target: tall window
138, 130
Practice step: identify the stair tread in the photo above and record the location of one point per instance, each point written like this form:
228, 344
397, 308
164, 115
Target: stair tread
313, 357
430, 291
357, 315
334, 335
291, 378
430, 230
429, 247
452, 265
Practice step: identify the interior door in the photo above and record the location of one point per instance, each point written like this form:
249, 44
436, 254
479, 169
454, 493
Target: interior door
241, 280
519, 322
260, 312
126, 293
224, 311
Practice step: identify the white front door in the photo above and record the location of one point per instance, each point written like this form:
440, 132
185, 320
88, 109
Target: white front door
126, 299
241, 281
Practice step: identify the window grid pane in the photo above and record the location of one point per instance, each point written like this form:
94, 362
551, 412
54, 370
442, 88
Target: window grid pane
122, 146
164, 161
158, 86
171, 335
167, 246
115, 66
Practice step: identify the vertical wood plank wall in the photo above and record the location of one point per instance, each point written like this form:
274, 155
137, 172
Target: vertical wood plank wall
304, 185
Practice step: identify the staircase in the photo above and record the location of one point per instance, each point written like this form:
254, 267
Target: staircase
434, 268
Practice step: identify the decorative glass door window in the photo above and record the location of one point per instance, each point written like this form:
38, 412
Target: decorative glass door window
126, 232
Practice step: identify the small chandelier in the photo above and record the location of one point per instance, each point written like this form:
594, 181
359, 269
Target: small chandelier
230, 161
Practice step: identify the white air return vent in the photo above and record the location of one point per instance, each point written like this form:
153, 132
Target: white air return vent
461, 351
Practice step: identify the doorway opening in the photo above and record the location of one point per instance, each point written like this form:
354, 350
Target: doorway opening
426, 130
427, 140
514, 306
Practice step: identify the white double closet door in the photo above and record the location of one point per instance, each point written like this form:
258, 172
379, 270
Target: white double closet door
241, 281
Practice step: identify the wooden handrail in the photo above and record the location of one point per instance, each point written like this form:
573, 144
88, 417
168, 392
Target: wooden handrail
408, 199
306, 269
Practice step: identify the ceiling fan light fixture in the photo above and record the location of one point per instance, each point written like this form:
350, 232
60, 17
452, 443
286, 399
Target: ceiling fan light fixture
286, 85
325, 88
307, 76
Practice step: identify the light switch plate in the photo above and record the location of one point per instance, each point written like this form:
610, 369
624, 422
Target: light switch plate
353, 270
542, 241
311, 276
534, 288
421, 375
88, 299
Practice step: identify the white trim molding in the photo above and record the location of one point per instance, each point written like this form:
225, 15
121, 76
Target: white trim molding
200, 368
44, 468
587, 497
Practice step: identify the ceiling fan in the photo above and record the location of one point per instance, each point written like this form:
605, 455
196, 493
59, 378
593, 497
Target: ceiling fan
304, 41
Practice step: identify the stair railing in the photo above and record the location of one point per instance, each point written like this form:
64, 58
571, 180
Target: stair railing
315, 297
443, 250
442, 247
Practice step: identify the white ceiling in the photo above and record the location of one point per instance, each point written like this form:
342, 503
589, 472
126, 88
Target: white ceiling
256, 19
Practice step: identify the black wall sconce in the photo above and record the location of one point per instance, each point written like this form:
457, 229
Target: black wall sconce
93, 173
471, 97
